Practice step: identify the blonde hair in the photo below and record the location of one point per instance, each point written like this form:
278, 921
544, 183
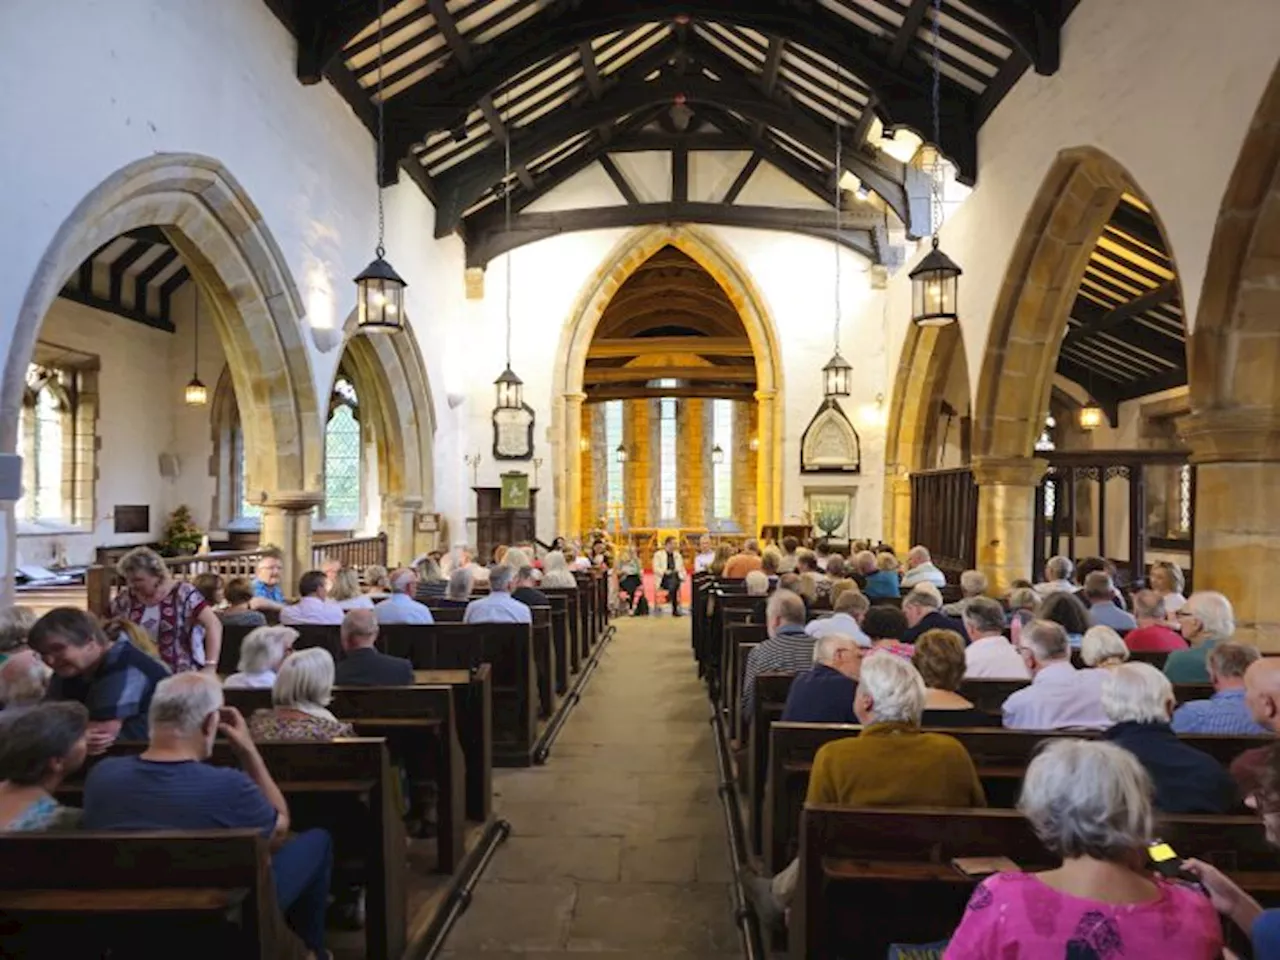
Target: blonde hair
134, 633
1100, 644
305, 679
143, 560
886, 561
346, 585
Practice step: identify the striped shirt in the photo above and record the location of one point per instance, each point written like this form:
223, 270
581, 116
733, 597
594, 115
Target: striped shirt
1223, 713
789, 649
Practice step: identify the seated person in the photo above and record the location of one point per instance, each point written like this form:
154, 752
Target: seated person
1103, 647
1138, 699
170, 787
890, 764
114, 680
347, 592
24, 679
300, 701
1090, 804
1153, 635
884, 582
788, 647
939, 656
268, 596
757, 585
39, 746
885, 627
921, 569
377, 581
1057, 577
261, 653
1060, 696
973, 583
457, 592
1225, 712
499, 606
400, 607
239, 595
362, 665
824, 692
313, 606
432, 584
1099, 593
850, 609
1262, 698
15, 624
1066, 611
990, 655
526, 587
210, 587
923, 610
1206, 619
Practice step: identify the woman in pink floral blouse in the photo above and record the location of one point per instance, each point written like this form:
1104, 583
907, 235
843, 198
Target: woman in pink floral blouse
186, 631
300, 699
1090, 803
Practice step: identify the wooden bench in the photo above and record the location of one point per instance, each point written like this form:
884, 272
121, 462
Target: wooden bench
872, 877
572, 600
83, 894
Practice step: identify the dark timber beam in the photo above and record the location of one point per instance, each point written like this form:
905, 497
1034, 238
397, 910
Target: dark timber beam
598, 394
740, 181
654, 346
618, 179
322, 28
744, 374
1114, 318
772, 63
1035, 26
650, 141
1101, 391
911, 21
488, 239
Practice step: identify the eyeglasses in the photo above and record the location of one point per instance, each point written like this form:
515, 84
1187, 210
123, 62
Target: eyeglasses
1184, 613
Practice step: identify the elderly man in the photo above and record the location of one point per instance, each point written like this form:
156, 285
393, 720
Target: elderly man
743, 562
362, 664
1060, 695
1057, 577
170, 787
267, 594
845, 621
1206, 619
1099, 594
313, 606
824, 693
669, 572
891, 764
1153, 634
526, 588
990, 656
973, 583
400, 607
920, 569
923, 609
706, 553
499, 606
1262, 699
788, 646
1139, 701
24, 679
1226, 711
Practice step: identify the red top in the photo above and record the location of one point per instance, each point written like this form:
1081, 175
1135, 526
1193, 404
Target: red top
1154, 639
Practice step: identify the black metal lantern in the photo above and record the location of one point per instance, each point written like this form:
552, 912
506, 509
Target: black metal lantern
621, 453
380, 297
837, 377
510, 390
717, 454
934, 288
196, 393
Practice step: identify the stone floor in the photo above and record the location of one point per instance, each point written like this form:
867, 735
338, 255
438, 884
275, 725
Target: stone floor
618, 845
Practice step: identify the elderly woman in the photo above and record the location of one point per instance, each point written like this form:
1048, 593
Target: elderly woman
886, 626
939, 656
261, 654
1166, 579
24, 679
458, 592
39, 747
885, 581
170, 610
300, 699
555, 571
15, 624
1089, 803
630, 579
347, 592
377, 581
1066, 611
1102, 647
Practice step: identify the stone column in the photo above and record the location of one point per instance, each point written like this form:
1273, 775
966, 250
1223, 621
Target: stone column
693, 462
570, 513
1006, 517
767, 498
8, 549
400, 522
586, 464
898, 522
1237, 527
639, 472
286, 525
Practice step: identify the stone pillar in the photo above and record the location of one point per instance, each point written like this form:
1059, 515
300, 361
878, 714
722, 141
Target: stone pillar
286, 525
768, 499
1006, 517
587, 490
570, 512
8, 549
639, 475
400, 522
694, 464
898, 523
1237, 527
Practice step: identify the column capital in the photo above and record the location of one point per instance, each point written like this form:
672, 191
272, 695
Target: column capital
293, 501
1232, 435
766, 394
575, 397
1008, 471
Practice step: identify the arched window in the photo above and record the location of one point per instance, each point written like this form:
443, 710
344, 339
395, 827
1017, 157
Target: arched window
615, 495
722, 437
668, 510
41, 440
342, 455
1046, 444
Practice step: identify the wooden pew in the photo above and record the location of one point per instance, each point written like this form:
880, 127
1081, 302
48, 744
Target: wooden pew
573, 620
421, 731
560, 641
989, 695
872, 877
544, 658
1001, 757
740, 639
473, 708
80, 894
588, 634
771, 699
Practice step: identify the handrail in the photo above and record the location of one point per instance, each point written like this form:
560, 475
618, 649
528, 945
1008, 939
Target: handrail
357, 552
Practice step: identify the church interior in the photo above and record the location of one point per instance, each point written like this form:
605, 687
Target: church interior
705, 403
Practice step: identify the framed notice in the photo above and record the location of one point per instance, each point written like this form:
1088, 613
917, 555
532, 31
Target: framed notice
513, 433
428, 523
515, 491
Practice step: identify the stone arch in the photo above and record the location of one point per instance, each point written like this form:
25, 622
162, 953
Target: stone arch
391, 380
1075, 201
580, 327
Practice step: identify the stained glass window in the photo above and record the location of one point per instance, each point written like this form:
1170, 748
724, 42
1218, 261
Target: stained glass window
667, 508
342, 456
722, 437
41, 441
247, 510
612, 440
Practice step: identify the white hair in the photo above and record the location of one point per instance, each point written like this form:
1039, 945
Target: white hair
986, 615
1088, 798
263, 648
757, 583
1214, 612
500, 577
1136, 691
180, 703
896, 689
1059, 568
305, 679
973, 583
460, 583
824, 651
1102, 643
24, 678
555, 572
925, 596
919, 554
515, 558
1048, 640
403, 578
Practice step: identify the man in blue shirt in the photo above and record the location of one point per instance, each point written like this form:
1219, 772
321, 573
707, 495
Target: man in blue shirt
400, 607
824, 694
267, 593
1225, 712
170, 787
1099, 594
499, 606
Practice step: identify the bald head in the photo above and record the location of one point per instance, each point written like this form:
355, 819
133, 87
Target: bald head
359, 629
1262, 692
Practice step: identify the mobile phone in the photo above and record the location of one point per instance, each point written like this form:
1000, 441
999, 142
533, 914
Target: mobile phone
1169, 864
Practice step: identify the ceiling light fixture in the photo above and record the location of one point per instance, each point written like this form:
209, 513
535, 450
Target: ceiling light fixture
837, 374
196, 393
510, 388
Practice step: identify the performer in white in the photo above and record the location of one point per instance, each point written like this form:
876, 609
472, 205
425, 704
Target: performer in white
706, 553
668, 571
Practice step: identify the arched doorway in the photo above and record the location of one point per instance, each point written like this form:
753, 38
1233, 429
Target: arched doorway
581, 329
252, 302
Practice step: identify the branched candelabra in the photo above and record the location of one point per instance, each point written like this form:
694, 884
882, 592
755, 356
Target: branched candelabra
472, 460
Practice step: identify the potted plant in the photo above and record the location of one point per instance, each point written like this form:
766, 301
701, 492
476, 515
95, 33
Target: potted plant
181, 536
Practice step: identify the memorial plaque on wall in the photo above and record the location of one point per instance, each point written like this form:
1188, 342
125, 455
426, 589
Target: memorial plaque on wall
132, 519
513, 433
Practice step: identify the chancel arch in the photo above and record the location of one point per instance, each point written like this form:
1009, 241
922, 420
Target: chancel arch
647, 352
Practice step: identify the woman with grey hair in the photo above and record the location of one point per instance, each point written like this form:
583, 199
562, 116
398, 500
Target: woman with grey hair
39, 747
555, 571
1090, 804
458, 593
300, 701
261, 654
15, 624
1103, 647
187, 632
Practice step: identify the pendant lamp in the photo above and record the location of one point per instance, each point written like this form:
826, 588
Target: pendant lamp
837, 375
196, 393
509, 387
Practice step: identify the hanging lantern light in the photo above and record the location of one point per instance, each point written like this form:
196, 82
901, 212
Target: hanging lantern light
717, 454
837, 377
935, 282
196, 393
621, 453
1091, 416
379, 289
510, 389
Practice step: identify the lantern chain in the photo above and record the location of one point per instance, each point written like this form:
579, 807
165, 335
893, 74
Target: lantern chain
382, 224
506, 190
839, 169
936, 178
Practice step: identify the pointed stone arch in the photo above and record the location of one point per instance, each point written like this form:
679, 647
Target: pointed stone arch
580, 327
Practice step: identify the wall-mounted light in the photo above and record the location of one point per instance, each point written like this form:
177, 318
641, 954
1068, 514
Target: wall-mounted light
584, 444
1090, 416
754, 443
717, 454
621, 453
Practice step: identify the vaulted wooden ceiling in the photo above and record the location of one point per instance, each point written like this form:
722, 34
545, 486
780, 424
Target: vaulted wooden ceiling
574, 83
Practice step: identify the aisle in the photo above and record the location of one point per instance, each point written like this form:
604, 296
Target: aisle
618, 847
